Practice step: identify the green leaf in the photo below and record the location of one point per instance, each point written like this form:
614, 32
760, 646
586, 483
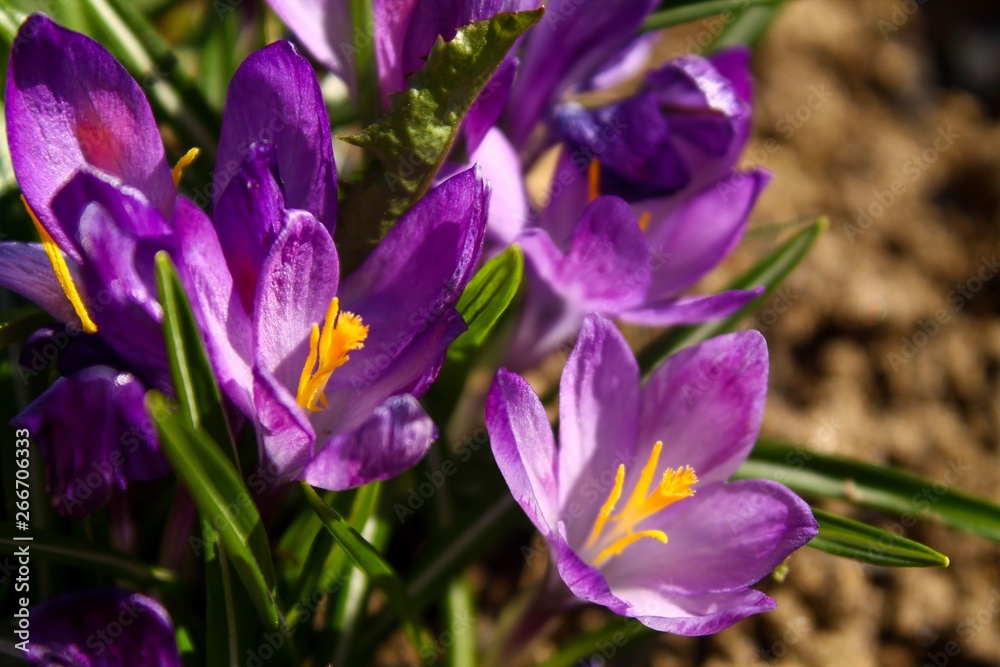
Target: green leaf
485, 299
676, 13
223, 502
852, 539
747, 29
460, 608
58, 548
197, 391
16, 325
414, 137
367, 557
770, 272
908, 496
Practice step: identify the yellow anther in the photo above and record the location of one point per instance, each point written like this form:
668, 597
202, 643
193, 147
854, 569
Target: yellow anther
61, 270
183, 164
674, 485
341, 333
644, 221
594, 179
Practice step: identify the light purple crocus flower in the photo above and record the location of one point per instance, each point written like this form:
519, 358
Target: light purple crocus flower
102, 628
88, 157
634, 500
327, 368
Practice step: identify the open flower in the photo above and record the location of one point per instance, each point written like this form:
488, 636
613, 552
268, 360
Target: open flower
89, 159
634, 501
102, 628
325, 366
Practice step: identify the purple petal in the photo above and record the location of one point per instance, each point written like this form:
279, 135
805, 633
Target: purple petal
690, 237
697, 615
286, 437
117, 267
248, 217
524, 448
324, 27
569, 196
95, 436
627, 65
546, 322
691, 310
585, 581
221, 315
488, 106
605, 268
722, 540
70, 105
706, 403
394, 439
391, 20
572, 42
405, 292
734, 64
501, 167
297, 282
102, 628
598, 418
274, 98
25, 269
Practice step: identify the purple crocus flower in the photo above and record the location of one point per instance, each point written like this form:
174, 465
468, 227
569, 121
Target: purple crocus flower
102, 628
326, 367
634, 501
683, 130
88, 157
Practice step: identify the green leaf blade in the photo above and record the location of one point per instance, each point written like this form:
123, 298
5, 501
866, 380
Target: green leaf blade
770, 272
223, 501
414, 137
486, 298
858, 541
910, 497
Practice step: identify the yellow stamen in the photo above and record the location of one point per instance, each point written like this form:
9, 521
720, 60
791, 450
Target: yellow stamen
609, 505
341, 333
674, 485
183, 164
61, 270
622, 542
644, 221
594, 178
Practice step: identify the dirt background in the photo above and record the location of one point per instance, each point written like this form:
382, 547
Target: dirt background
885, 344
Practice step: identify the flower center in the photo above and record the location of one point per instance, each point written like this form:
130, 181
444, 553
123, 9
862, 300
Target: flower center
674, 485
342, 332
61, 270
594, 191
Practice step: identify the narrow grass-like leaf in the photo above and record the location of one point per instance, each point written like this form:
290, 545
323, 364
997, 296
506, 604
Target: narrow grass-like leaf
366, 557
222, 500
769, 272
485, 299
747, 29
677, 13
858, 541
16, 325
908, 496
414, 137
58, 548
461, 616
618, 631
197, 391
